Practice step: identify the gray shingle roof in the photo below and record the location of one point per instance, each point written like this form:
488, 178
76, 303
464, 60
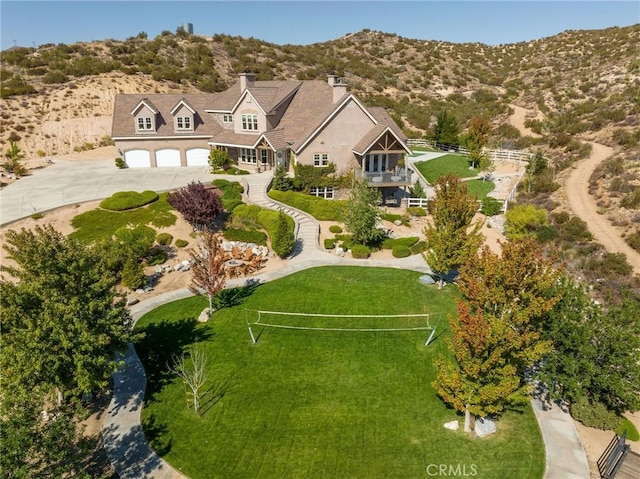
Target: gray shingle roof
124, 126
310, 106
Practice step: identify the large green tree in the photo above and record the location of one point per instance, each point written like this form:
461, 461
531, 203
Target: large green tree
451, 235
37, 445
362, 214
594, 359
479, 380
498, 333
63, 320
476, 140
446, 129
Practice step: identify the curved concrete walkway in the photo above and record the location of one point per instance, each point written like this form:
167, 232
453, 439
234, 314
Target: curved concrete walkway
124, 441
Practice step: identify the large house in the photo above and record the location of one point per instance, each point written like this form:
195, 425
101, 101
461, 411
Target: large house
262, 124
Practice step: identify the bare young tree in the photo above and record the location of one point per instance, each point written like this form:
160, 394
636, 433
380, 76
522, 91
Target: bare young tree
192, 369
208, 274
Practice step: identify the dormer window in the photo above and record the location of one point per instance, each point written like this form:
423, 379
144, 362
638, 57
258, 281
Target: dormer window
183, 123
250, 122
145, 123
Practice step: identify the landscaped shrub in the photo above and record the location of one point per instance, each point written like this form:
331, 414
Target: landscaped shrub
491, 206
132, 275
283, 240
156, 256
328, 210
329, 243
231, 193
390, 243
198, 206
138, 240
401, 251
164, 239
319, 208
419, 247
360, 251
335, 229
416, 211
594, 415
120, 163
180, 243
246, 236
390, 217
127, 200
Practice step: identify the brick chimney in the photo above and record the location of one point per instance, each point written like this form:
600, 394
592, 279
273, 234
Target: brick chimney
247, 80
338, 85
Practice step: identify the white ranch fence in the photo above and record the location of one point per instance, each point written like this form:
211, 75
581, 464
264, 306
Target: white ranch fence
510, 155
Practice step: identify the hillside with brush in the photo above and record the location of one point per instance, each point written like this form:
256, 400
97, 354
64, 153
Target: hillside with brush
552, 95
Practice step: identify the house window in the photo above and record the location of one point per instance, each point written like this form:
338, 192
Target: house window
183, 123
320, 159
227, 118
264, 156
325, 192
145, 123
250, 122
248, 155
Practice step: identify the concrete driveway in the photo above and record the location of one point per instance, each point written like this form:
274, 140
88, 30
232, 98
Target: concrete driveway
72, 182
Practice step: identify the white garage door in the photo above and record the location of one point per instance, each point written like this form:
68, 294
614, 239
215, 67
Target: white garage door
137, 158
167, 157
198, 157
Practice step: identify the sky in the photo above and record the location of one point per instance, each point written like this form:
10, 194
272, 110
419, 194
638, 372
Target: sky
33, 23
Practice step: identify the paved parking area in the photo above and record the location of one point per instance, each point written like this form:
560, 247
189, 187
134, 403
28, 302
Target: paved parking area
68, 183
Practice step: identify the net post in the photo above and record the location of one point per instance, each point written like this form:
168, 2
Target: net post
253, 338
433, 332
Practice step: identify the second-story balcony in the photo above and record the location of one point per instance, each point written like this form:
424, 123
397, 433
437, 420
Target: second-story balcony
397, 177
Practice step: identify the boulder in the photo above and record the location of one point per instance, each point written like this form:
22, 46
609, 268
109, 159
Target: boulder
453, 425
484, 427
204, 316
427, 279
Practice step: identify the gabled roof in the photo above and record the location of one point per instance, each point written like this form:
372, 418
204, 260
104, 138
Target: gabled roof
375, 134
123, 125
276, 139
147, 103
310, 107
185, 104
382, 117
267, 94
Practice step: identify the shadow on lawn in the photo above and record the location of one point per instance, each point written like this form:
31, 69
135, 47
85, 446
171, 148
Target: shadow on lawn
216, 392
227, 298
162, 341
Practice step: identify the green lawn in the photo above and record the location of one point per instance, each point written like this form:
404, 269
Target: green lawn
456, 164
100, 224
319, 404
480, 188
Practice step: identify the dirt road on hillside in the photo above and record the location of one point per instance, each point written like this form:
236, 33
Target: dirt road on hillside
584, 206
